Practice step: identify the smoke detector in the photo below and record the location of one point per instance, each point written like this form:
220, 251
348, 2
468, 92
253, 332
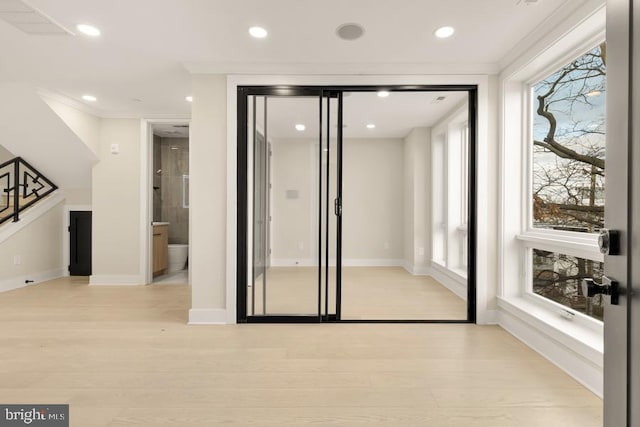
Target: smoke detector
350, 31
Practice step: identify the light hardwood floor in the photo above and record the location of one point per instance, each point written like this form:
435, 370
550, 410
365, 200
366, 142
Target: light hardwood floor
124, 356
371, 293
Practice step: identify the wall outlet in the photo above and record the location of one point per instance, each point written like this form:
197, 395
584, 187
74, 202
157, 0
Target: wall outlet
115, 148
17, 260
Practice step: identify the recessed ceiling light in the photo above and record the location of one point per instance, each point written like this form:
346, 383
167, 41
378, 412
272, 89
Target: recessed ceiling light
173, 148
89, 98
371, 126
383, 93
89, 30
300, 127
189, 98
444, 32
258, 32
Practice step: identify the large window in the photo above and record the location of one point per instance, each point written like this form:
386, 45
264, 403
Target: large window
567, 179
569, 145
450, 192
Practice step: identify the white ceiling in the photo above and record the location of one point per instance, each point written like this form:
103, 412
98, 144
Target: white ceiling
393, 116
139, 65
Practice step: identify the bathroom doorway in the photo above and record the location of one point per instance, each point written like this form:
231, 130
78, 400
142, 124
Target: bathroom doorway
169, 213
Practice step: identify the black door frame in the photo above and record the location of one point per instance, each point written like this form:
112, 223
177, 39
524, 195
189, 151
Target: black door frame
243, 93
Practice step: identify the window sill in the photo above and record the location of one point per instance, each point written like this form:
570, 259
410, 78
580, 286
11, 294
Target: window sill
583, 336
582, 246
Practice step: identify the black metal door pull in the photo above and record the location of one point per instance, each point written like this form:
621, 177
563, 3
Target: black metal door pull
608, 287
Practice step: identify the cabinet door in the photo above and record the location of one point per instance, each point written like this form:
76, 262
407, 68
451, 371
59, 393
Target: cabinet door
160, 249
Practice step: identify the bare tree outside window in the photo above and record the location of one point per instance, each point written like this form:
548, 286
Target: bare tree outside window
569, 146
559, 278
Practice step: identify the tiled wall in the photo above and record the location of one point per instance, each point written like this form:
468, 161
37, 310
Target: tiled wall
169, 200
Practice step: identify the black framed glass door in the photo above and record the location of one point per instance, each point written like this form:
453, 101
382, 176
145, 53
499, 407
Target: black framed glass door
343, 220
290, 145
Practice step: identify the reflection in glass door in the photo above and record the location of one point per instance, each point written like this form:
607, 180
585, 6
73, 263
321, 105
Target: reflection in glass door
291, 155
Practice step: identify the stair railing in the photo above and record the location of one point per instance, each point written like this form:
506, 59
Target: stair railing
21, 186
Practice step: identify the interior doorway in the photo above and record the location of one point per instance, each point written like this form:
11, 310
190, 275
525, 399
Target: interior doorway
343, 204
166, 214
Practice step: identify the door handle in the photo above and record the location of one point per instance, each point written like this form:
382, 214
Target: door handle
337, 207
608, 287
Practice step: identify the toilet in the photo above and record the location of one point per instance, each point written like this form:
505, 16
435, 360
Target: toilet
177, 257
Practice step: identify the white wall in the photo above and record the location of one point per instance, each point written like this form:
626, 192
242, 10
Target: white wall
294, 229
116, 205
86, 126
488, 199
373, 201
208, 199
37, 249
49, 145
5, 155
77, 196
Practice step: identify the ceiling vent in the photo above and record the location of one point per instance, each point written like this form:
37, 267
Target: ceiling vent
438, 99
350, 31
526, 2
29, 20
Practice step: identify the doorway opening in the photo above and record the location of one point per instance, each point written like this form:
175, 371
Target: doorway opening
356, 204
169, 203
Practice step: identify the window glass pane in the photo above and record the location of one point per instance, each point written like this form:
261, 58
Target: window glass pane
569, 145
559, 278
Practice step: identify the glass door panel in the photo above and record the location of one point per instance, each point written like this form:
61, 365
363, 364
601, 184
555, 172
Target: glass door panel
287, 236
405, 205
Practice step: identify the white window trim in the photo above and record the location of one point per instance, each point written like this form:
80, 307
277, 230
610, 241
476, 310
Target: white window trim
581, 245
575, 345
450, 132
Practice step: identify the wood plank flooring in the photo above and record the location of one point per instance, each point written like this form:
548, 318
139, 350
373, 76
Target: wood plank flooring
371, 293
124, 356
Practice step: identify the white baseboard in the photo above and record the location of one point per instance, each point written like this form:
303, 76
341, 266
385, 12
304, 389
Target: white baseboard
450, 280
488, 317
116, 279
291, 262
583, 369
313, 262
416, 271
372, 262
19, 282
208, 316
